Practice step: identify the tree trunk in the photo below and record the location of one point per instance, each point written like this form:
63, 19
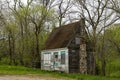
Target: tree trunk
103, 67
94, 52
21, 52
103, 62
21, 58
10, 50
37, 53
11, 42
13, 50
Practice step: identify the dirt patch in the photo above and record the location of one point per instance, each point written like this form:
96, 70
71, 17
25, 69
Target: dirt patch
28, 77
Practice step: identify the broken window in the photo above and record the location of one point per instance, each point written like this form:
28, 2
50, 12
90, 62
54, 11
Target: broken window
62, 57
56, 55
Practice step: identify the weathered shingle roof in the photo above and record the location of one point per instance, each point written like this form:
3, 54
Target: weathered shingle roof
60, 37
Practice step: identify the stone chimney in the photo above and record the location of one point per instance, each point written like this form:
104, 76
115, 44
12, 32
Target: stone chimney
83, 52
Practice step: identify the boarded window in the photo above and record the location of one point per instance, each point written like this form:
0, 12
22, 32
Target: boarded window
62, 57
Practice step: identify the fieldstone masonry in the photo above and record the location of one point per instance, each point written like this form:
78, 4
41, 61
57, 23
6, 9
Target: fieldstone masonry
83, 59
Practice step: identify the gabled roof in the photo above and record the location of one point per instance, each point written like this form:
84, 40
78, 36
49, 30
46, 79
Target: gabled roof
60, 37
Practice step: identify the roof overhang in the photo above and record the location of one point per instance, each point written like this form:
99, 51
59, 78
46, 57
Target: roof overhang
47, 50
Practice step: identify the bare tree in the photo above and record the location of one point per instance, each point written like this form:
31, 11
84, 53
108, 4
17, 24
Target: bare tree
2, 19
97, 18
63, 9
115, 6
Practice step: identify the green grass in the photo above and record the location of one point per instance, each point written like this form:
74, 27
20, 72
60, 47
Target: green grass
19, 70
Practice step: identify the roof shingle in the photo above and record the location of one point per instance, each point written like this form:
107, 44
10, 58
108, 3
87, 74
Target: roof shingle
60, 37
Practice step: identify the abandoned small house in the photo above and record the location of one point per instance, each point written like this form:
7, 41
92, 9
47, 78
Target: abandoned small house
66, 50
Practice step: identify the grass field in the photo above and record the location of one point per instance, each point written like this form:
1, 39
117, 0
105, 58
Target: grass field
19, 70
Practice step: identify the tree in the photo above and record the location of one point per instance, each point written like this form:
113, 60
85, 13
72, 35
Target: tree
31, 21
2, 19
115, 6
10, 30
38, 17
108, 47
97, 18
63, 10
113, 36
19, 13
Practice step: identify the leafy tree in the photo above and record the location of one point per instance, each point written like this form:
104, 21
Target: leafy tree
113, 36
10, 30
31, 22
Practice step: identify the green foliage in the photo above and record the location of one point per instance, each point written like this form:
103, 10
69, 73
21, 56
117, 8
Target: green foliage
108, 47
22, 24
112, 37
10, 27
113, 68
114, 34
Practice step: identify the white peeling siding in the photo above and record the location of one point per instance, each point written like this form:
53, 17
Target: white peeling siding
51, 66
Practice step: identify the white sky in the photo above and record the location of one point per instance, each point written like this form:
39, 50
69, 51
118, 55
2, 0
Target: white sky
25, 1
